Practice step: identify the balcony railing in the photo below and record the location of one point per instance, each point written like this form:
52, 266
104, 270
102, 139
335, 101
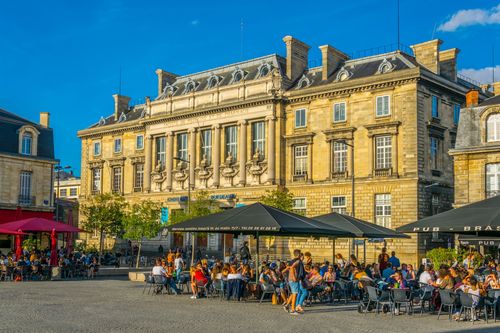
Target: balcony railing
382, 172
492, 193
26, 200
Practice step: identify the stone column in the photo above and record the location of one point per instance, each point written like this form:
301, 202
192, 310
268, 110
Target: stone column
243, 151
192, 154
271, 149
148, 162
169, 145
216, 155
310, 162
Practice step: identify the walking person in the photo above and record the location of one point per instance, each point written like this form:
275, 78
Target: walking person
178, 265
303, 285
293, 283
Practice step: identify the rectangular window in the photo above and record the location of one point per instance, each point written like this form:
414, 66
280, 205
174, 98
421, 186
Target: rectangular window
25, 188
435, 203
73, 192
139, 142
231, 142
118, 146
492, 180
339, 205
96, 180
383, 107
300, 118
258, 138
435, 145
383, 210
160, 151
97, 148
182, 146
138, 177
383, 152
26, 144
435, 107
339, 157
299, 205
339, 112
206, 145
117, 180
456, 113
300, 161
63, 192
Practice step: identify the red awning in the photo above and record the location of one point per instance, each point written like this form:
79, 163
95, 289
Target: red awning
9, 215
10, 232
37, 224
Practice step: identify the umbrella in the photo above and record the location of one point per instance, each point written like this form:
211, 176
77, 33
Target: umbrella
10, 232
360, 228
38, 224
482, 216
53, 248
259, 219
19, 247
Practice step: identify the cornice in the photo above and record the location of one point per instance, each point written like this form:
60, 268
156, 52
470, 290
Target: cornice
110, 129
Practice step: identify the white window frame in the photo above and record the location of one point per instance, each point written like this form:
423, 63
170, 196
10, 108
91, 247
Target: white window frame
117, 145
116, 185
259, 137
138, 176
300, 118
383, 152
339, 208
97, 148
231, 138
25, 184
61, 191
299, 208
161, 151
340, 109
492, 175
383, 209
139, 139
300, 160
182, 146
493, 127
383, 113
27, 143
339, 156
71, 190
96, 180
206, 145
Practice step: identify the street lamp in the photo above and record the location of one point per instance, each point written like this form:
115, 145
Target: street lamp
58, 169
188, 161
352, 182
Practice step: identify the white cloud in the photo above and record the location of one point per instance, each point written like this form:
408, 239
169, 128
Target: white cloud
468, 17
195, 22
483, 75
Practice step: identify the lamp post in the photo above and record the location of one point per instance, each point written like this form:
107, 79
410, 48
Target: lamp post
58, 169
188, 162
353, 212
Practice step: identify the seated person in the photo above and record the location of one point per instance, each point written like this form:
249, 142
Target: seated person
386, 273
315, 280
198, 278
426, 276
234, 283
491, 281
397, 281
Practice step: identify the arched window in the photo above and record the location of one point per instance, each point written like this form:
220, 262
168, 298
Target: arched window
189, 87
304, 82
264, 70
237, 76
493, 127
343, 74
26, 146
385, 67
213, 81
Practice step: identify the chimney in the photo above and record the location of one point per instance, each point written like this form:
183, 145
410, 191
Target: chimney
163, 79
427, 54
448, 63
296, 57
331, 58
121, 105
472, 98
496, 88
45, 119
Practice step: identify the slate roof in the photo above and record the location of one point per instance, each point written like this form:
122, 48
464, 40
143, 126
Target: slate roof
491, 101
10, 123
134, 113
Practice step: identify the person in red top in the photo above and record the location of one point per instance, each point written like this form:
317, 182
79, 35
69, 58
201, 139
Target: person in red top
197, 279
383, 259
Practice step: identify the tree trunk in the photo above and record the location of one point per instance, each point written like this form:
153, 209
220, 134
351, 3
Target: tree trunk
138, 254
101, 244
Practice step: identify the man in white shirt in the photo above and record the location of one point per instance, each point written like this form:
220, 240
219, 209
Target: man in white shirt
178, 265
425, 276
158, 269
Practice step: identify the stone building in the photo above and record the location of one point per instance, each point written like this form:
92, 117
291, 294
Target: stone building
274, 122
477, 151
26, 167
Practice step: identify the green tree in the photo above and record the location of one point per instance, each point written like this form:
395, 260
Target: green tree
279, 198
202, 205
441, 256
142, 221
104, 213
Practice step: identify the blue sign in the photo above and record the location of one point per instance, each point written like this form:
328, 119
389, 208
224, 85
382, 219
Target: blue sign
223, 196
239, 205
164, 215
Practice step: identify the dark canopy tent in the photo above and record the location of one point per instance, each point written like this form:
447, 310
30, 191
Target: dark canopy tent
481, 218
467, 240
259, 219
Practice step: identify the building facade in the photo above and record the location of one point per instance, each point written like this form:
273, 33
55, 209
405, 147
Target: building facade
26, 167
239, 130
477, 151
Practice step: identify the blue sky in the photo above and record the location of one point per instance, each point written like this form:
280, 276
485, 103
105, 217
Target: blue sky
65, 56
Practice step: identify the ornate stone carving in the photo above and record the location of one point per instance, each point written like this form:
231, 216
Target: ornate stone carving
256, 166
204, 171
181, 172
158, 176
228, 169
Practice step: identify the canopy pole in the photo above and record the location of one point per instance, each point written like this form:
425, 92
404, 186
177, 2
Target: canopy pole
257, 260
333, 250
192, 248
224, 249
364, 251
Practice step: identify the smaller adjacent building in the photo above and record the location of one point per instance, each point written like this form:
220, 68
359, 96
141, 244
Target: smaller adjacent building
477, 150
66, 185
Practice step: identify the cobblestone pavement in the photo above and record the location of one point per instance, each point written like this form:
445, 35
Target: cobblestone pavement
120, 306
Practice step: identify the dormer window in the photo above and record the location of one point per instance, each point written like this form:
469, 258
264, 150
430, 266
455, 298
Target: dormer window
26, 144
102, 121
385, 67
213, 82
190, 87
304, 82
343, 74
493, 127
238, 75
264, 70
122, 118
169, 90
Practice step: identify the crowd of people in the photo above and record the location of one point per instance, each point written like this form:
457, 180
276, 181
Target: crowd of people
295, 281
35, 265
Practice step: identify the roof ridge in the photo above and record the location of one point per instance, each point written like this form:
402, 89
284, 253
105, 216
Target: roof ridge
17, 117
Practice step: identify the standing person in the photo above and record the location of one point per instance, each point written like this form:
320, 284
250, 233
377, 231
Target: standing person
340, 260
394, 260
160, 250
383, 259
301, 276
245, 253
293, 283
179, 266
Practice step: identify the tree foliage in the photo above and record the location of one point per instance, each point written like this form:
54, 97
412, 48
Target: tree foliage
202, 205
104, 213
279, 198
441, 256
